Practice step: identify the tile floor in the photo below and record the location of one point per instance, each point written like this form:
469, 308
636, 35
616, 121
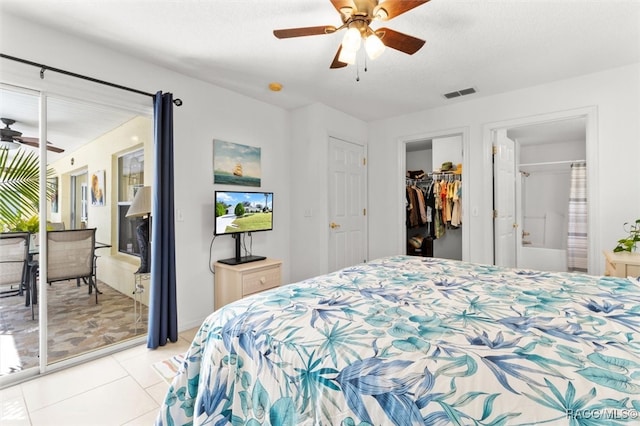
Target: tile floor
119, 389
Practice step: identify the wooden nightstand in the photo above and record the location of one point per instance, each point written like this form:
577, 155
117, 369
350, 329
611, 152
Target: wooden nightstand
233, 282
622, 264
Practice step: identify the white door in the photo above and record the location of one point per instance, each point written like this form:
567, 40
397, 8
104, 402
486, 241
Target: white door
347, 204
504, 185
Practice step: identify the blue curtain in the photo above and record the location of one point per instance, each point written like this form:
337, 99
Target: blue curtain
163, 314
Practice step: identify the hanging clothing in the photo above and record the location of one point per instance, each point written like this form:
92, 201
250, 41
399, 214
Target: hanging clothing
430, 201
456, 214
443, 200
416, 206
439, 226
422, 208
412, 207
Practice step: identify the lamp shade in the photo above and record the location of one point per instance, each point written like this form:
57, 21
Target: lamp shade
347, 56
374, 46
352, 40
141, 204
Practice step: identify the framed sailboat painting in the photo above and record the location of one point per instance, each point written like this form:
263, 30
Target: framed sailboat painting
236, 164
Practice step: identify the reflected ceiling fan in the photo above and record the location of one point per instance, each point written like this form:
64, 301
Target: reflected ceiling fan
12, 139
356, 16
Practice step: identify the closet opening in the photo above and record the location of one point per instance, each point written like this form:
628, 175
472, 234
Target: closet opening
433, 195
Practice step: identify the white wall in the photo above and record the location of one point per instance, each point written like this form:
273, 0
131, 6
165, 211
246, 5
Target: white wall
616, 95
447, 149
553, 151
420, 160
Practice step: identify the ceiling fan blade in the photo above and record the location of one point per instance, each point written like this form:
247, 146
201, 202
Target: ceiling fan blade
394, 8
399, 41
336, 63
35, 142
305, 31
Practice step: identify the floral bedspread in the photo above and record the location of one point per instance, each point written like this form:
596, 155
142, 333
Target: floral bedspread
412, 340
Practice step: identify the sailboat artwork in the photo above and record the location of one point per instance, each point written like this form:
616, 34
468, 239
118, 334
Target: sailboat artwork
236, 164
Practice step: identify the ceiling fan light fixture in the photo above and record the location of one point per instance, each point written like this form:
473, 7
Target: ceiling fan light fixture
347, 56
352, 40
374, 46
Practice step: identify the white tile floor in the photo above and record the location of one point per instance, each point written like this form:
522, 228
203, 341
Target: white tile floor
119, 389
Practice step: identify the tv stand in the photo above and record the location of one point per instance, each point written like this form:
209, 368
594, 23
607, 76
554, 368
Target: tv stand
233, 282
239, 260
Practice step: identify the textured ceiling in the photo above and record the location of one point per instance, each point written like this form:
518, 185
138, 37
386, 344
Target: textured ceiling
493, 46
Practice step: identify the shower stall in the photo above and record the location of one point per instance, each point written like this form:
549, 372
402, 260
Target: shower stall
544, 189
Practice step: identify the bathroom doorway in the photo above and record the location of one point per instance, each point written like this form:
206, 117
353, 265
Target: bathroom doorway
534, 225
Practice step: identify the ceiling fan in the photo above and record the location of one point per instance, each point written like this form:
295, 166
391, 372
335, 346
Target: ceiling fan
11, 139
356, 16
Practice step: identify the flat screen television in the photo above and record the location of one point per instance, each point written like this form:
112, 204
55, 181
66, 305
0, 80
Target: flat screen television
239, 212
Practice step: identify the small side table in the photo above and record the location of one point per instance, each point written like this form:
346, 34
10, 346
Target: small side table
138, 289
233, 282
622, 264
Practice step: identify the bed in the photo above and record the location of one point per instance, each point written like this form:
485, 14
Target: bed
409, 340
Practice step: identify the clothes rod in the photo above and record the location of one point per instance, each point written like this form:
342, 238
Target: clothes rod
552, 163
43, 68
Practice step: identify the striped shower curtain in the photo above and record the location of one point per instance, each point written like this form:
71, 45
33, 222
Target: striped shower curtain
578, 221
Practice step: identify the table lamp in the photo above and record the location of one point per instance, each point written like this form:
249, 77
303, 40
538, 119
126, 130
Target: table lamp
141, 207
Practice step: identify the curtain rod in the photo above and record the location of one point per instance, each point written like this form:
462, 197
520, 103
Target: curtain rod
43, 68
552, 163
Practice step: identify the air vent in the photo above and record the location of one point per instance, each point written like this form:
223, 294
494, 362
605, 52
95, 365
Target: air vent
462, 92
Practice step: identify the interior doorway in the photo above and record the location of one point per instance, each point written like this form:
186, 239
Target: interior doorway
534, 226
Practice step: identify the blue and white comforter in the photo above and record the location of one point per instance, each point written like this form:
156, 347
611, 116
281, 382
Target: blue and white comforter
412, 340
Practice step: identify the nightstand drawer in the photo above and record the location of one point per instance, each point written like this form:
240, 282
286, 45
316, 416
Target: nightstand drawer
255, 282
233, 282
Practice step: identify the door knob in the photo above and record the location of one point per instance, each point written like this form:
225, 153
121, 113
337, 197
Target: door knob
334, 225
